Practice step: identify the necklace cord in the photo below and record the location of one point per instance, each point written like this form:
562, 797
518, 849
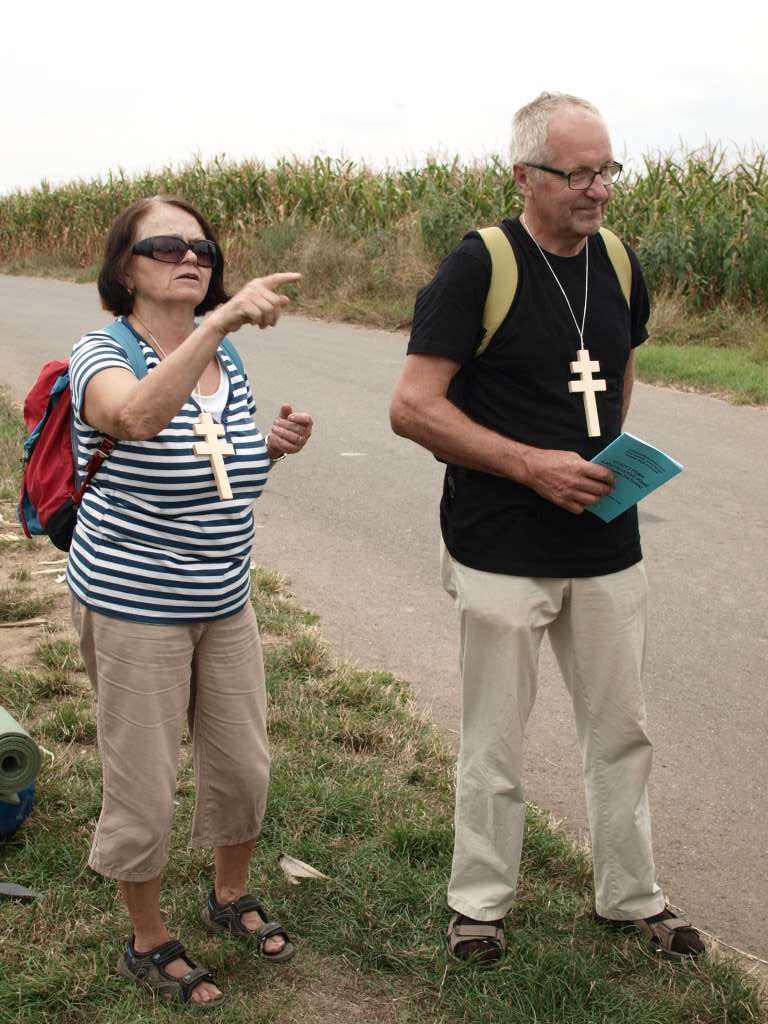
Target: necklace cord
162, 352
559, 285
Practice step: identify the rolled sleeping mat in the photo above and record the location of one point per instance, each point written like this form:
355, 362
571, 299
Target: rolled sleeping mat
19, 758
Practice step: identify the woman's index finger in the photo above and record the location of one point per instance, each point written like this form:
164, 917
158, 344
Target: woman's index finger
276, 280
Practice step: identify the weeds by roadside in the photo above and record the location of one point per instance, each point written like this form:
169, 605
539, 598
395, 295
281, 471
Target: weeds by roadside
16, 604
722, 350
12, 435
60, 654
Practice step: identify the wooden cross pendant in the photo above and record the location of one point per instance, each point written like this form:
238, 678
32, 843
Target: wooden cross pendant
585, 367
214, 449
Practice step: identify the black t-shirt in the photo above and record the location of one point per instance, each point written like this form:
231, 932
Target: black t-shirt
519, 388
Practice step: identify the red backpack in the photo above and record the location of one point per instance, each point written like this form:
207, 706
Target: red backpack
51, 487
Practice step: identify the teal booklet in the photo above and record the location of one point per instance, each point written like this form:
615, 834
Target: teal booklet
638, 467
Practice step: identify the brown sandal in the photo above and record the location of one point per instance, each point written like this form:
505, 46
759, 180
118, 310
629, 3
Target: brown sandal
148, 971
227, 917
671, 936
483, 942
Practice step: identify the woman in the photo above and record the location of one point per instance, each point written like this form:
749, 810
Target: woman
160, 578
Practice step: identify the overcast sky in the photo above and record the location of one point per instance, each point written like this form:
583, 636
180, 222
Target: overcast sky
87, 87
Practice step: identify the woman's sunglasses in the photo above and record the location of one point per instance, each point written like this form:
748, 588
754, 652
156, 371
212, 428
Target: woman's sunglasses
171, 249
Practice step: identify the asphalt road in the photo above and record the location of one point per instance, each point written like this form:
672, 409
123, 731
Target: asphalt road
353, 523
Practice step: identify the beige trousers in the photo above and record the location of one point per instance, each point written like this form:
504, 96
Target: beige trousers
150, 680
596, 627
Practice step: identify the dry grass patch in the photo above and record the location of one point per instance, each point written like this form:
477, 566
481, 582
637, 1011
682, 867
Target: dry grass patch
370, 279
727, 326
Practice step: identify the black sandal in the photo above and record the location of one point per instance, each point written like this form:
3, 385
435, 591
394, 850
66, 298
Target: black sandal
479, 942
227, 917
148, 971
666, 933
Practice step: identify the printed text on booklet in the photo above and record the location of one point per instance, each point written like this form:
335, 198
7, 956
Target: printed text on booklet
638, 467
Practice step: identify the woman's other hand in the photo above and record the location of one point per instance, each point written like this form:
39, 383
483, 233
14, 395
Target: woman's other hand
289, 432
256, 303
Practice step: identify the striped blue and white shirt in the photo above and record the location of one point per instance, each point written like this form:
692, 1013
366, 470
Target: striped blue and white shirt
153, 541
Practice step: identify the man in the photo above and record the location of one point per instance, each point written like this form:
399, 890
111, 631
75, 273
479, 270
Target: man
517, 426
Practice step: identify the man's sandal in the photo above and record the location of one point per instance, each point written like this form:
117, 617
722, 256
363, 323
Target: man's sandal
479, 942
671, 936
148, 971
227, 917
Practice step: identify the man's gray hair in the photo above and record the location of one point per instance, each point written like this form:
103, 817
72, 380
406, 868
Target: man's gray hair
531, 123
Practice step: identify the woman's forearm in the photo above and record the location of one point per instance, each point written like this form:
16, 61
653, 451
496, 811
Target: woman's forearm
139, 409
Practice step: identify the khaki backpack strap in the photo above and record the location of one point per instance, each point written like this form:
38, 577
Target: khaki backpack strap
617, 254
503, 287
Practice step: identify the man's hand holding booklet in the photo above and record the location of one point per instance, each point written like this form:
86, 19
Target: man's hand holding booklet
638, 467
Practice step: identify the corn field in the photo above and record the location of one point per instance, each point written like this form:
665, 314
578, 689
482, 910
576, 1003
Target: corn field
698, 222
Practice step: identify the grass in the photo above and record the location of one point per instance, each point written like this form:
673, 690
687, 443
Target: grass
16, 604
23, 687
723, 350
12, 435
275, 613
60, 653
731, 372
42, 266
70, 721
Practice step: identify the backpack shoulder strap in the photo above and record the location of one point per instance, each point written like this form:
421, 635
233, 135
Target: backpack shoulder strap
503, 287
126, 339
233, 354
504, 276
619, 258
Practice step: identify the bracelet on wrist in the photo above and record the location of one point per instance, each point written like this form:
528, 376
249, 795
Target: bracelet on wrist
272, 460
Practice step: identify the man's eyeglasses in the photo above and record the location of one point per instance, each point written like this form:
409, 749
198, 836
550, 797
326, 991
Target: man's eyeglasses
172, 249
582, 178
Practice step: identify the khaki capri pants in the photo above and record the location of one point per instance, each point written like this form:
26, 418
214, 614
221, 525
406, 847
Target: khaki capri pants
150, 681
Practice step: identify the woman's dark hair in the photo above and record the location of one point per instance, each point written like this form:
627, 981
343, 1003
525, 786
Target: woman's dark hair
114, 295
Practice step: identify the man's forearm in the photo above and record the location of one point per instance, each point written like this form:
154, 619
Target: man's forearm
562, 477
452, 436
